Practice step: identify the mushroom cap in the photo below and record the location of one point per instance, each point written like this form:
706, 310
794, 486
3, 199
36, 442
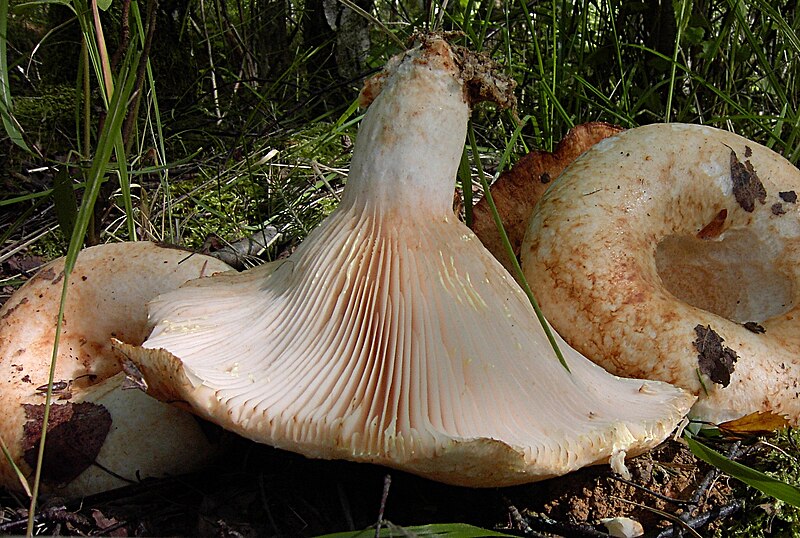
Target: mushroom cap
122, 431
391, 335
517, 190
672, 252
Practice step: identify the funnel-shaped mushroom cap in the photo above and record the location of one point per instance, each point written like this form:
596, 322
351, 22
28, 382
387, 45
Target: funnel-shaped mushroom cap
672, 252
391, 335
97, 432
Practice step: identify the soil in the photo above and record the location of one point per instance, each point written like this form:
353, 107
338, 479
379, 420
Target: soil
255, 490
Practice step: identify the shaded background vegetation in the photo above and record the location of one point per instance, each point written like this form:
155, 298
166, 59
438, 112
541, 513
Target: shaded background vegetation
241, 111
199, 122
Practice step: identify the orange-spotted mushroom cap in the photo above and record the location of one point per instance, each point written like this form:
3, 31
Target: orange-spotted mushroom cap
672, 252
391, 335
100, 436
517, 190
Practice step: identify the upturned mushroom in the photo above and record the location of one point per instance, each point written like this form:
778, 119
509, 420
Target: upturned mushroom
672, 252
517, 190
99, 435
391, 335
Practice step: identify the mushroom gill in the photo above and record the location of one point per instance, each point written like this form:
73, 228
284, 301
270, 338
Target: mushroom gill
391, 335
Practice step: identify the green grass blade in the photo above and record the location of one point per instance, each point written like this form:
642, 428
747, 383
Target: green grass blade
448, 530
683, 17
125, 185
159, 130
783, 24
752, 477
118, 109
465, 177
13, 129
519, 275
757, 49
65, 202
17, 471
35, 195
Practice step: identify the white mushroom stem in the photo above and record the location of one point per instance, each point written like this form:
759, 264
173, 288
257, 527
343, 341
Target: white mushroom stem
391, 335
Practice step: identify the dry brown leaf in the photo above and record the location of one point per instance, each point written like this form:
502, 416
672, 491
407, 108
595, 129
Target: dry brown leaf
714, 229
717, 362
75, 434
108, 524
754, 424
747, 187
517, 190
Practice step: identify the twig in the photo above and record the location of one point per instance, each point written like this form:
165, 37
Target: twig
27, 241
57, 514
124, 34
387, 482
532, 524
318, 173
676, 520
521, 522
650, 491
686, 519
212, 70
345, 504
703, 519
733, 453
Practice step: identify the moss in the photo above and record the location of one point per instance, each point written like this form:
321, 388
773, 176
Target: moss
285, 191
763, 516
52, 107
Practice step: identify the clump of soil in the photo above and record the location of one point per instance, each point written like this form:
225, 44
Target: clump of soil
667, 480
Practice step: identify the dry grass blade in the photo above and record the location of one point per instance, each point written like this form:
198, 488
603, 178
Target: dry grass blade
22, 480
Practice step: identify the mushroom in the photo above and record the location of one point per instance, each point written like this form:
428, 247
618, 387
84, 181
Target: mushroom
391, 335
516, 190
672, 252
99, 436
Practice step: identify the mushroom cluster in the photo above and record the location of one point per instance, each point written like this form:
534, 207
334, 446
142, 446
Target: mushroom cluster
391, 335
672, 252
99, 436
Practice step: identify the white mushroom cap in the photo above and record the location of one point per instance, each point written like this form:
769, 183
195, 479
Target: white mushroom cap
92, 420
391, 335
672, 252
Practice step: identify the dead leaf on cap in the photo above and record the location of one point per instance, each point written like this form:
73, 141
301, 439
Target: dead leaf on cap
754, 424
715, 227
516, 191
75, 434
754, 327
134, 379
747, 188
716, 361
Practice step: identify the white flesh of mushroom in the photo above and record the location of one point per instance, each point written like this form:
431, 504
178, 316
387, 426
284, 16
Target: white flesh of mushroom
391, 335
